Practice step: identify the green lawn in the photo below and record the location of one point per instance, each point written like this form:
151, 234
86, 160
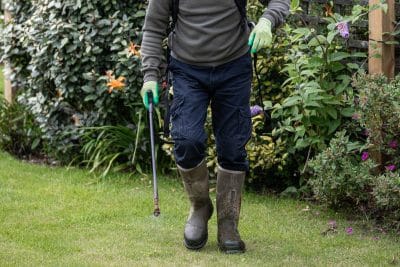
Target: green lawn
54, 216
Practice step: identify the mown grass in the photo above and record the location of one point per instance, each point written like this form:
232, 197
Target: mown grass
51, 216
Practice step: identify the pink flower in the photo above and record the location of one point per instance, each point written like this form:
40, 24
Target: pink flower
349, 230
364, 156
393, 144
343, 28
390, 167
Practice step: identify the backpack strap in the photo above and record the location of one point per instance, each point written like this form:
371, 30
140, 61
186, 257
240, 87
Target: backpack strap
167, 80
241, 5
174, 14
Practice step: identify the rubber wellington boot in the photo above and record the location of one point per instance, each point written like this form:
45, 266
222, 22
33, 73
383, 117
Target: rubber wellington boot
196, 184
229, 194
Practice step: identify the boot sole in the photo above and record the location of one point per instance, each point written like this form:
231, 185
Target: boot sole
195, 247
233, 249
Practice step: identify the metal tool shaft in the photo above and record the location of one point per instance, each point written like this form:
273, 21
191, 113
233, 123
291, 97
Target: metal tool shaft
153, 158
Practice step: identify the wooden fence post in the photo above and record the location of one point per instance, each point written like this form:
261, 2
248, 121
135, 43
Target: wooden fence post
381, 23
9, 91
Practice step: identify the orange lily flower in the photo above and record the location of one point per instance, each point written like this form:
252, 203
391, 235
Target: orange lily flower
116, 84
134, 49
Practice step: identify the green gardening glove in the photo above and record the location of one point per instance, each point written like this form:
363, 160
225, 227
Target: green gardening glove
261, 35
149, 86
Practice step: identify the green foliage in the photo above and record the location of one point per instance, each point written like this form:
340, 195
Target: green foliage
19, 134
63, 55
378, 111
386, 193
264, 152
306, 82
14, 38
338, 178
109, 145
319, 70
117, 147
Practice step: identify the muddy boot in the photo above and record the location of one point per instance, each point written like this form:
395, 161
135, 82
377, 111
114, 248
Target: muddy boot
229, 193
196, 184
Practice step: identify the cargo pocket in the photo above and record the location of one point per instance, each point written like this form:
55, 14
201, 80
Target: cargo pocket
245, 127
176, 117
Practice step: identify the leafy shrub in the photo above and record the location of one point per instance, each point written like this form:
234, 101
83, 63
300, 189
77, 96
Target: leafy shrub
119, 147
378, 112
338, 177
386, 192
76, 64
19, 133
342, 176
14, 49
319, 69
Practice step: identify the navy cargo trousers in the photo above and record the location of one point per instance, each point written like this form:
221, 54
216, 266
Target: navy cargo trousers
227, 87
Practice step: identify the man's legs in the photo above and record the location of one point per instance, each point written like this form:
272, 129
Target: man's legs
229, 85
232, 129
188, 114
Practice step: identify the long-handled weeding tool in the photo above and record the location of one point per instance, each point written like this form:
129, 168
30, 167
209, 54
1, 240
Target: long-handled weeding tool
153, 155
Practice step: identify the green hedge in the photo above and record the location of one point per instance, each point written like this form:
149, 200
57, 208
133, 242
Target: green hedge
64, 54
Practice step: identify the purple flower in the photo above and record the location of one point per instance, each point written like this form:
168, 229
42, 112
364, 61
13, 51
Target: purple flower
365, 132
364, 156
393, 144
390, 167
255, 110
349, 230
343, 28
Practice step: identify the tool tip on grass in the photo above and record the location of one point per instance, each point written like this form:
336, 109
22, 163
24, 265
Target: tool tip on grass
156, 213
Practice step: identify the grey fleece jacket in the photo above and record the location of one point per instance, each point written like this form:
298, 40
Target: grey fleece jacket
207, 33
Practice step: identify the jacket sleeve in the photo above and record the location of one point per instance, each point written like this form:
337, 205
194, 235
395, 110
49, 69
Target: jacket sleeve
154, 31
277, 11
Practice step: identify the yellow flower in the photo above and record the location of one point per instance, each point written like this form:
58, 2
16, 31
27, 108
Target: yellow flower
116, 84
